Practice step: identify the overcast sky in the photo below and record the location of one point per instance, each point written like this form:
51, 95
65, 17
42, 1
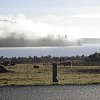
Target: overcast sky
33, 19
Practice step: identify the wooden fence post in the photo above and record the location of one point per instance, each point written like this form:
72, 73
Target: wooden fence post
55, 72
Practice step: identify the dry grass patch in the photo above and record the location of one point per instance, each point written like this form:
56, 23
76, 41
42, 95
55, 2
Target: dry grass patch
26, 74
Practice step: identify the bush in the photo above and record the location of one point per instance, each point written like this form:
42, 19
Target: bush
2, 69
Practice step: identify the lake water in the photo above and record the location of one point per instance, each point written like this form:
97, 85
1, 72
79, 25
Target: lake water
53, 51
68, 92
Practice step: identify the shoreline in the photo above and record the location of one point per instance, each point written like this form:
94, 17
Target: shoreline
44, 85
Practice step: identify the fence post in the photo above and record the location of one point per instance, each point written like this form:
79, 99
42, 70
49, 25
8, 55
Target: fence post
55, 72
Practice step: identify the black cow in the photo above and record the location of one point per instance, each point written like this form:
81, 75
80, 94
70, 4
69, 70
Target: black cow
67, 63
35, 66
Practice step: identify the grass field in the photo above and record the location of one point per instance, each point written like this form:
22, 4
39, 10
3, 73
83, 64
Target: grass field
26, 74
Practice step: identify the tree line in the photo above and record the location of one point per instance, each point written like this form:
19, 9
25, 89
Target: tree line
91, 60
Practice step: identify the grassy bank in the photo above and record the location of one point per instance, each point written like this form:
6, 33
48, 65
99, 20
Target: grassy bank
26, 74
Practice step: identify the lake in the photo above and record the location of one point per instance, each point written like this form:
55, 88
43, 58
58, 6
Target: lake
85, 49
67, 92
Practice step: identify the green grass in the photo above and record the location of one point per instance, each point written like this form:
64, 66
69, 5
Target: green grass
26, 74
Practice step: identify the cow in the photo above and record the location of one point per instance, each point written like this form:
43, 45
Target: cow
66, 63
35, 66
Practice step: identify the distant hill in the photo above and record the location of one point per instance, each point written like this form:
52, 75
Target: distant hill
89, 40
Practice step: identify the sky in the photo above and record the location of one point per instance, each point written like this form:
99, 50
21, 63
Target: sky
35, 19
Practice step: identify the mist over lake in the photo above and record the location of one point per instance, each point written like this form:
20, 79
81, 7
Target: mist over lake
85, 49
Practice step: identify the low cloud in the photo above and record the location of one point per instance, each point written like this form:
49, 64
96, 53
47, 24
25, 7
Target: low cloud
12, 41
48, 30
20, 31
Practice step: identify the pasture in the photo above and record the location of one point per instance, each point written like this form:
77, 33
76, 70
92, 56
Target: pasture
26, 74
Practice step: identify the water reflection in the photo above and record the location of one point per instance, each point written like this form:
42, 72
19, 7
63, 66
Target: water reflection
68, 92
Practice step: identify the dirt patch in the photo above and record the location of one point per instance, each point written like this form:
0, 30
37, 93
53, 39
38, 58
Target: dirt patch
95, 71
90, 71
